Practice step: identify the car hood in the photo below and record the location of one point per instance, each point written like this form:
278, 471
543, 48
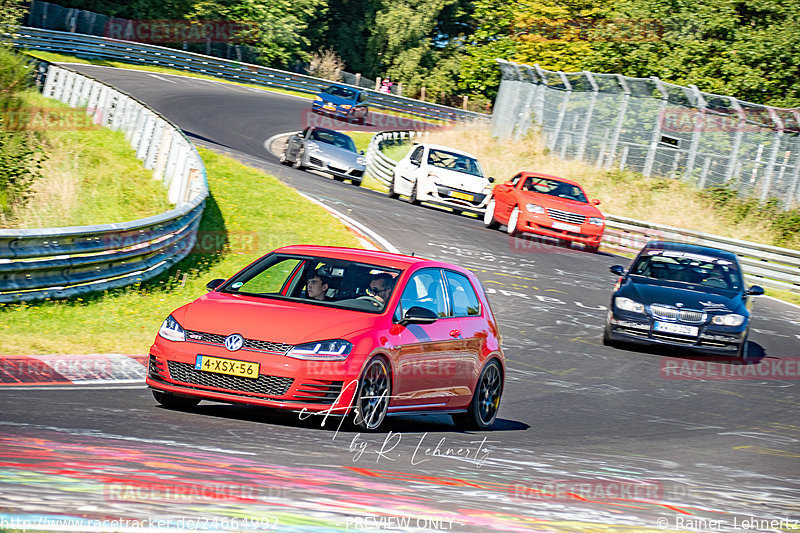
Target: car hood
458, 180
648, 291
553, 202
338, 153
270, 320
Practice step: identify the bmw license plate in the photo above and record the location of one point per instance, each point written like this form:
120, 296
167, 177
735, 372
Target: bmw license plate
679, 329
245, 369
567, 227
462, 196
329, 107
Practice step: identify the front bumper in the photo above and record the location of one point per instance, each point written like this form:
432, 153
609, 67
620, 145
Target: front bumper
588, 234
639, 329
350, 114
283, 382
317, 161
460, 199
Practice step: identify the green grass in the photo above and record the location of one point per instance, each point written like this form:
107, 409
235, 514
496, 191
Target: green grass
91, 175
248, 214
396, 151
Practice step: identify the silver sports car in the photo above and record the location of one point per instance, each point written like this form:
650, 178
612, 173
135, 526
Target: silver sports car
328, 151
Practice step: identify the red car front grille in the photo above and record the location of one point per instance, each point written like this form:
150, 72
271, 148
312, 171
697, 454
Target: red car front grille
249, 344
268, 385
565, 216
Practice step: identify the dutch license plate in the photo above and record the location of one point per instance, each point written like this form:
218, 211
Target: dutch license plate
231, 367
679, 329
462, 196
567, 227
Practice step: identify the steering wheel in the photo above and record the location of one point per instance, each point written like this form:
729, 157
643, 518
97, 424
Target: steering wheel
374, 301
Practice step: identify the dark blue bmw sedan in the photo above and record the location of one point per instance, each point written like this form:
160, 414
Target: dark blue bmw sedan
341, 101
682, 295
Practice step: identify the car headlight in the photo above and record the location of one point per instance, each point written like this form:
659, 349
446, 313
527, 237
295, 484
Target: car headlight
171, 330
626, 304
318, 99
333, 350
313, 147
345, 107
533, 208
361, 160
728, 320
597, 221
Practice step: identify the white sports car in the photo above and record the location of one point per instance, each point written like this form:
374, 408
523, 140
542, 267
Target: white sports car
441, 175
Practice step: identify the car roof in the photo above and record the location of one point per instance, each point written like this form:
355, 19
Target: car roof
541, 175
691, 248
378, 258
448, 149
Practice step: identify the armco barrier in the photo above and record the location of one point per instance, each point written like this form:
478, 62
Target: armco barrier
36, 264
770, 266
138, 53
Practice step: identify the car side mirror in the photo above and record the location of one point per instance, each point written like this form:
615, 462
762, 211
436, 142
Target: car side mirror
619, 270
418, 315
213, 284
361, 152
595, 202
755, 290
491, 179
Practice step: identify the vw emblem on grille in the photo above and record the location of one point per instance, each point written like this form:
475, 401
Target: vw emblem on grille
234, 342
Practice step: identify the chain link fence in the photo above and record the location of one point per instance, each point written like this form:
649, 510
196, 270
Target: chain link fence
656, 128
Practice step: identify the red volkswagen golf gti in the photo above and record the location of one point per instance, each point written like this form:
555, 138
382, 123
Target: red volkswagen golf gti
546, 205
337, 331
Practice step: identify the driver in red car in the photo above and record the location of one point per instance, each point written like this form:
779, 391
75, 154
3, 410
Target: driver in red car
380, 286
317, 285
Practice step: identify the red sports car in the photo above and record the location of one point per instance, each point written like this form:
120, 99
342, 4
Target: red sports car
546, 205
337, 331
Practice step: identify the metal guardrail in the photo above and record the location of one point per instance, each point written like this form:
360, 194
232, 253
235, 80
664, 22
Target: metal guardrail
766, 265
90, 46
379, 166
37, 264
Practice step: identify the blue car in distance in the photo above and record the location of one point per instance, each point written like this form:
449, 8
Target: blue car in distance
341, 101
683, 296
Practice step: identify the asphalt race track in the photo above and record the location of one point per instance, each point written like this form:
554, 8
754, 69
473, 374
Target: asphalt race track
589, 438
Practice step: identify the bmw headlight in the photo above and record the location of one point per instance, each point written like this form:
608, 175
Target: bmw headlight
728, 320
345, 107
626, 304
318, 99
597, 221
313, 147
534, 208
361, 160
171, 330
333, 350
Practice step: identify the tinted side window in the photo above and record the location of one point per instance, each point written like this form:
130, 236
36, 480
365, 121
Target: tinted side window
463, 300
424, 289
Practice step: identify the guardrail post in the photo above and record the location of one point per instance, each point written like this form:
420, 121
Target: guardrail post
100, 108
162, 156
587, 120
147, 137
737, 139
51, 81
155, 144
561, 112
769, 172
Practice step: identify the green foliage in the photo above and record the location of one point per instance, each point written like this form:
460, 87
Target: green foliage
11, 13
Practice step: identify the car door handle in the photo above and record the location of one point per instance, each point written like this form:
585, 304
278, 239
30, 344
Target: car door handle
455, 333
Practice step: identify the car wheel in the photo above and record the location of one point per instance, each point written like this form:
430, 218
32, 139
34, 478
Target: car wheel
457, 212
298, 159
513, 219
392, 194
488, 216
357, 183
607, 340
338, 178
170, 401
413, 197
283, 159
593, 249
482, 410
743, 351
372, 400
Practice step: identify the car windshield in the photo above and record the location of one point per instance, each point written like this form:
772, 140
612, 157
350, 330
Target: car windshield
554, 188
685, 267
342, 92
457, 162
333, 137
317, 281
